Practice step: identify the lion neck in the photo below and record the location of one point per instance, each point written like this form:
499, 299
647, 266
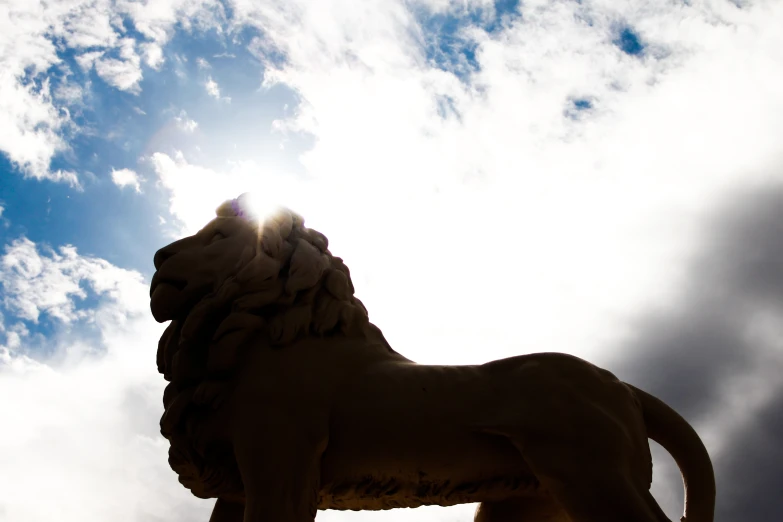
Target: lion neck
374, 335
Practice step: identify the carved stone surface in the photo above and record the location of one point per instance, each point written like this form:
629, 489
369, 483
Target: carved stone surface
284, 399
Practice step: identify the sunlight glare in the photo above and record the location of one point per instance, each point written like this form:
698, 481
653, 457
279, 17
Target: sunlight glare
257, 206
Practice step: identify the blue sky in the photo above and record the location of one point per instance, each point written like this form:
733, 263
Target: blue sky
116, 129
581, 162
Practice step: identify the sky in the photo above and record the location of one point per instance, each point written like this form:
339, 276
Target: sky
595, 177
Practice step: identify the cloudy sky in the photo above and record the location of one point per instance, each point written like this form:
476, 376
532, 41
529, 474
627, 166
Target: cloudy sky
598, 177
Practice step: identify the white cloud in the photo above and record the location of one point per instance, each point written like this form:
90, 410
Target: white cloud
123, 73
153, 54
156, 20
213, 89
29, 128
32, 123
126, 178
202, 63
14, 335
35, 284
69, 93
184, 123
83, 420
84, 24
87, 60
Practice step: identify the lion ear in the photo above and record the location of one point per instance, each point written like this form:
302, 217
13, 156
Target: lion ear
238, 321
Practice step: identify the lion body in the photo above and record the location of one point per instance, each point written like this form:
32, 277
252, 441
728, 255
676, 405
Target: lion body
400, 434
284, 399
406, 435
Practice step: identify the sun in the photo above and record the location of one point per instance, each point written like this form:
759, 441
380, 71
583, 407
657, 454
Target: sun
256, 207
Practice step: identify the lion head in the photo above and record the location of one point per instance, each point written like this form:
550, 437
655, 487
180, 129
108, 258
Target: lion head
272, 279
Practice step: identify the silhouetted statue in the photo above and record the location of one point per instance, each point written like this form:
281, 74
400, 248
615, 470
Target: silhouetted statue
284, 399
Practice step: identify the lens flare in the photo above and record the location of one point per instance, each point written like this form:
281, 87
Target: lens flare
251, 206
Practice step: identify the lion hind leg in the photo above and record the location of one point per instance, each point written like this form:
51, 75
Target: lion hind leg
591, 479
591, 486
524, 509
613, 499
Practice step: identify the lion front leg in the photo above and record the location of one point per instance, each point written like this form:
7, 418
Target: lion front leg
279, 460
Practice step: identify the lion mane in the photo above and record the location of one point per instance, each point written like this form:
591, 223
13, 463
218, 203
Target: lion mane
286, 284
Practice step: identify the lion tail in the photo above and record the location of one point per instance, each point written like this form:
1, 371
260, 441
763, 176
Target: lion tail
666, 427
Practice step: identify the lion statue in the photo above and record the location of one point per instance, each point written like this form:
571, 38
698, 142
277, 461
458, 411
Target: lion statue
283, 399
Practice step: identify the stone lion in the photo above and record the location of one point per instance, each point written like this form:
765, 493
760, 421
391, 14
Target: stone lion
284, 399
